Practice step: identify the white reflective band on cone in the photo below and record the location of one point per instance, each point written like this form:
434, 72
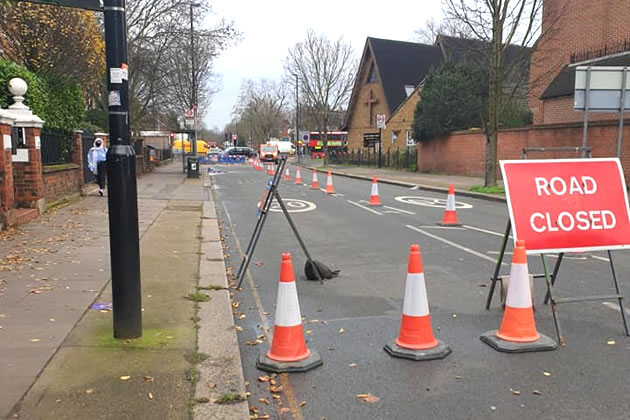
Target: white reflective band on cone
314, 176
374, 189
415, 303
287, 306
450, 202
519, 294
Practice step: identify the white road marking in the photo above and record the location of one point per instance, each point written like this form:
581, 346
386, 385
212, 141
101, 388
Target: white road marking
365, 208
442, 227
414, 188
399, 210
615, 307
485, 231
337, 195
453, 244
293, 205
597, 257
430, 202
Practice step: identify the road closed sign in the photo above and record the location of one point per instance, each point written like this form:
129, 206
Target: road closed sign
567, 205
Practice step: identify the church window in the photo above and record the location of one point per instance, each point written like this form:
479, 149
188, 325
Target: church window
372, 75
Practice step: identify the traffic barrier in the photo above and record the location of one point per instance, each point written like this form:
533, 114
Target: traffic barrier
287, 174
517, 333
270, 169
288, 352
450, 214
374, 198
315, 182
330, 189
298, 176
416, 340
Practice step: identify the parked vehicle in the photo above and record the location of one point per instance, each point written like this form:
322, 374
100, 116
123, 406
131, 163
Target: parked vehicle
239, 151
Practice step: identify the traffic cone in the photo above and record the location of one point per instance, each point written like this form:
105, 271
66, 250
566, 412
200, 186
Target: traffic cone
288, 352
450, 214
298, 176
517, 333
329, 185
270, 169
415, 340
287, 174
315, 182
374, 198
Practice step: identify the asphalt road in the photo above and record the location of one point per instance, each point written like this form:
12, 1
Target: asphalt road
349, 319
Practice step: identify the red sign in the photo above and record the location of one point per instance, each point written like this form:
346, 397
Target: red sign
567, 205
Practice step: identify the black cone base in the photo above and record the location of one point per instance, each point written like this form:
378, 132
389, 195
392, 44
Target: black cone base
269, 365
544, 343
438, 352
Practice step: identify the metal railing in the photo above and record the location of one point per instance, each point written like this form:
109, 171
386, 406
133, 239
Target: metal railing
406, 159
56, 147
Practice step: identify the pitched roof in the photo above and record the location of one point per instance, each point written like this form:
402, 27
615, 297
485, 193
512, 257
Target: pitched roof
564, 83
402, 63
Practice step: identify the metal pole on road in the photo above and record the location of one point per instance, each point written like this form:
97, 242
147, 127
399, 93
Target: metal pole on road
122, 197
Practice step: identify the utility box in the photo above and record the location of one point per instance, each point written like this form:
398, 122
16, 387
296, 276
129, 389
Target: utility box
193, 167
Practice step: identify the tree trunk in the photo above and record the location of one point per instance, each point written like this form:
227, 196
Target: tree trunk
495, 92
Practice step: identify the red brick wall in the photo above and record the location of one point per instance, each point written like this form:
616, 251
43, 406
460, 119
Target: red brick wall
61, 182
6, 171
560, 111
463, 153
27, 177
573, 26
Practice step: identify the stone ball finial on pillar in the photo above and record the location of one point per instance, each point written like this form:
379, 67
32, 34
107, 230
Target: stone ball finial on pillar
18, 87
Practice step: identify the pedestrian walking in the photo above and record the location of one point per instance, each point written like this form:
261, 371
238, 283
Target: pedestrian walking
97, 163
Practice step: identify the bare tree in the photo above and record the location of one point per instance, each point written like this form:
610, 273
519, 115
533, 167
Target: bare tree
261, 109
432, 28
501, 24
325, 71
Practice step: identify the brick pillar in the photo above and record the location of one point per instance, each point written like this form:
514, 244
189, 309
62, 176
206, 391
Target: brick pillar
31, 191
7, 200
77, 153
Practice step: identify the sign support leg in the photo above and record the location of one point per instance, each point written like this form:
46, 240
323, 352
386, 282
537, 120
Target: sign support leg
497, 268
554, 309
619, 298
554, 275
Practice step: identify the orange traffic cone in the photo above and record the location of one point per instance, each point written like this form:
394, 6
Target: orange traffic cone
298, 176
270, 169
315, 182
415, 340
374, 198
329, 185
287, 174
288, 352
518, 333
450, 214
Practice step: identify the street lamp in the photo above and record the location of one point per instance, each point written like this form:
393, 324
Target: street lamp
193, 95
297, 113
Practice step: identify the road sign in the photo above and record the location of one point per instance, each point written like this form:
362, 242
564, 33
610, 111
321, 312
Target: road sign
380, 120
370, 139
606, 87
567, 205
189, 113
234, 137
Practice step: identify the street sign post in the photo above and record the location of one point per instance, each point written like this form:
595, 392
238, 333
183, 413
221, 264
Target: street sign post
409, 139
380, 124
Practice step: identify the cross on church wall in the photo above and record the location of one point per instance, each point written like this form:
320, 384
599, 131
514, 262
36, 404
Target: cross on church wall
371, 101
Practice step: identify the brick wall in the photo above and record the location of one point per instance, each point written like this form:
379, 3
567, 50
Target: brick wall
463, 153
61, 181
560, 110
27, 177
573, 26
7, 193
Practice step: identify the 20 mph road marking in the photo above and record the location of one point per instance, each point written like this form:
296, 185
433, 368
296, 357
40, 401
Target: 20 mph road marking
365, 208
453, 244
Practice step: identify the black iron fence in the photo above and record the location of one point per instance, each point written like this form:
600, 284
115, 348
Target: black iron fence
406, 159
56, 147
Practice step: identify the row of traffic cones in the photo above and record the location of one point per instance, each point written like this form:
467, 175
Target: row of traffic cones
450, 212
415, 341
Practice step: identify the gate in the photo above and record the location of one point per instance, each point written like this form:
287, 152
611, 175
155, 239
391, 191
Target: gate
87, 143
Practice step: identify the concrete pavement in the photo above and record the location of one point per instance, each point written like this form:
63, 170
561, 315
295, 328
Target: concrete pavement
58, 357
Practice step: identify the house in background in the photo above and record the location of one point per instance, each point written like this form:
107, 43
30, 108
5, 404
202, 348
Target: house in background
575, 33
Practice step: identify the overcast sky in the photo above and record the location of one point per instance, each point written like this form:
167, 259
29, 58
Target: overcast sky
270, 28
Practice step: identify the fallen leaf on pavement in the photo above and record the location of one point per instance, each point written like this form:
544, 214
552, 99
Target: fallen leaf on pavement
362, 395
264, 400
340, 330
35, 340
458, 377
536, 392
368, 398
309, 332
148, 378
611, 342
259, 263
302, 404
546, 373
89, 391
237, 328
275, 396
150, 395
125, 378
285, 410
515, 392
352, 364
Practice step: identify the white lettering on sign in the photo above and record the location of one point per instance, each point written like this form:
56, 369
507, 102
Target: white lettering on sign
558, 186
566, 221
